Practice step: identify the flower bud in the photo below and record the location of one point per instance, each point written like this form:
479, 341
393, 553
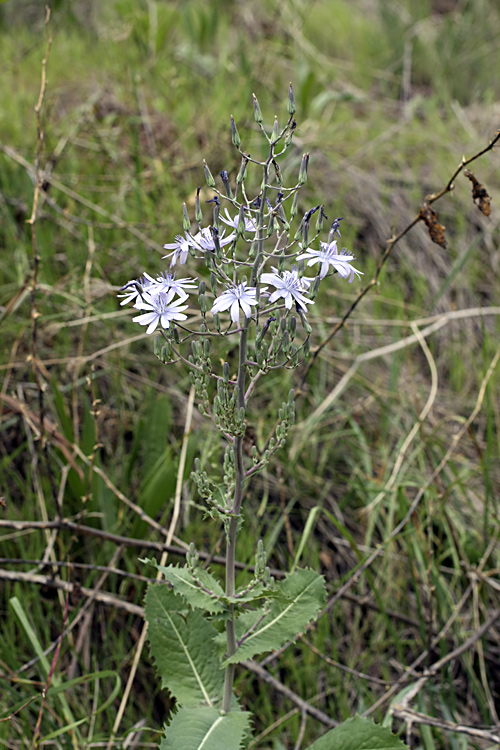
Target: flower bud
208, 175
186, 224
213, 283
276, 130
227, 186
303, 169
291, 101
292, 326
319, 221
235, 136
225, 372
217, 322
241, 221
197, 207
334, 229
256, 110
243, 171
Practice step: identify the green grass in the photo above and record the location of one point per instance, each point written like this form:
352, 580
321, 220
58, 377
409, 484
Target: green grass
137, 95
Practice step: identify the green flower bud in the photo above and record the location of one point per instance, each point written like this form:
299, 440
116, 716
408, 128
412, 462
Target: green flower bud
303, 169
241, 221
256, 110
204, 304
243, 171
202, 287
225, 372
217, 322
292, 326
208, 175
276, 130
235, 136
186, 224
291, 101
295, 206
213, 283
197, 207
319, 221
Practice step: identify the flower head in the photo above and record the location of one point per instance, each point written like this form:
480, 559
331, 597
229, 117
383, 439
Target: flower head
181, 249
236, 297
167, 280
289, 286
250, 225
328, 255
204, 240
135, 289
161, 309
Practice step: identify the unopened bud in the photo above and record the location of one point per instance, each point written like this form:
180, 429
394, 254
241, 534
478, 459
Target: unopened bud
291, 101
202, 287
319, 221
276, 130
225, 372
256, 110
303, 169
227, 186
235, 136
208, 175
243, 171
213, 283
294, 209
241, 221
197, 207
186, 224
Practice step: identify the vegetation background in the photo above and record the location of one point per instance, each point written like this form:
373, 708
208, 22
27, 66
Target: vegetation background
390, 95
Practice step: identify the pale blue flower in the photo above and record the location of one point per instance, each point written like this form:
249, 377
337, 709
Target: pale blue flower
181, 249
289, 286
250, 225
328, 255
134, 290
204, 240
235, 298
162, 309
167, 280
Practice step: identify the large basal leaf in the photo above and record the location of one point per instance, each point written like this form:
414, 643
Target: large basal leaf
358, 733
182, 645
303, 596
206, 729
204, 592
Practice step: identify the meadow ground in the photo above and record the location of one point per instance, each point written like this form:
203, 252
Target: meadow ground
397, 420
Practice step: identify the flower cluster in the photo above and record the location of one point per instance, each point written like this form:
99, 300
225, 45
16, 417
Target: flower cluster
162, 298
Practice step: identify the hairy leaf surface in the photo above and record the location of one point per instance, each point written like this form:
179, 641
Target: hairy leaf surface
358, 733
182, 645
264, 630
206, 729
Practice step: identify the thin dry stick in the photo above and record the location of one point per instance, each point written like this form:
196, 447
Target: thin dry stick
390, 245
169, 537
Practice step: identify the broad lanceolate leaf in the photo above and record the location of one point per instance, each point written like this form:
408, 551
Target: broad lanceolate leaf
206, 729
203, 592
182, 645
358, 733
304, 595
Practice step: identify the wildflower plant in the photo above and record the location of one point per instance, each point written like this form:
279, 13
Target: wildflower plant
258, 280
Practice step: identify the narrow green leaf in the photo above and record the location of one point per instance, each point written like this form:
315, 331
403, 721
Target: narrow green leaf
182, 645
206, 728
357, 733
304, 595
308, 528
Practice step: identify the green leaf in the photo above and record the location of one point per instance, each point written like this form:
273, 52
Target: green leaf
358, 733
303, 596
206, 728
182, 645
196, 592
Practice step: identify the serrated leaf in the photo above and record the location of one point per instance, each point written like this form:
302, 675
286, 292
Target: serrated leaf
206, 729
356, 734
255, 594
304, 595
195, 591
182, 646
